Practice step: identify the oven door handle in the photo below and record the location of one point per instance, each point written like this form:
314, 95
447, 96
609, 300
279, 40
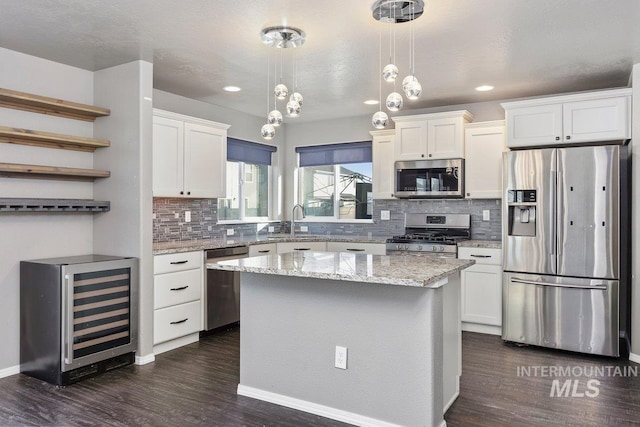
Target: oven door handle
560, 285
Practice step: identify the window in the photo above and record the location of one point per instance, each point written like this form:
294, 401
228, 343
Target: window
335, 181
248, 170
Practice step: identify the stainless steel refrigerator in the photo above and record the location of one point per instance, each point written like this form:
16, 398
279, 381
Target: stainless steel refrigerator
566, 247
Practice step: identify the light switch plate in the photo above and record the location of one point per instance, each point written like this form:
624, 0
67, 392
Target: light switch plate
176, 215
385, 215
271, 229
187, 216
486, 215
230, 232
304, 228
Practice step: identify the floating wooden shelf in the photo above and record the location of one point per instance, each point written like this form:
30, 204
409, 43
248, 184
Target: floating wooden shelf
50, 140
45, 105
53, 205
14, 170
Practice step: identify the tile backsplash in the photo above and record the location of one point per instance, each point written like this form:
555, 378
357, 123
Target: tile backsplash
169, 222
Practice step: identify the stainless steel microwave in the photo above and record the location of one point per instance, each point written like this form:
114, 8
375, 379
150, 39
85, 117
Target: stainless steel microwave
436, 179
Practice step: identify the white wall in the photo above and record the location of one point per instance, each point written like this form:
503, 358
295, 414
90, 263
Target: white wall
635, 217
127, 229
39, 235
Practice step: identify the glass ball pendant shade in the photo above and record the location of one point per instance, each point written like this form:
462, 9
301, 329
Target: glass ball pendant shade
293, 109
275, 118
268, 131
407, 80
413, 89
389, 72
281, 91
394, 101
380, 120
296, 96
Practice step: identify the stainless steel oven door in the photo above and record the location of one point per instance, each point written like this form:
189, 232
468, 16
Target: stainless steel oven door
99, 310
559, 312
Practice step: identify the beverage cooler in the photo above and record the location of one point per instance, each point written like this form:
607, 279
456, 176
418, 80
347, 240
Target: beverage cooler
78, 316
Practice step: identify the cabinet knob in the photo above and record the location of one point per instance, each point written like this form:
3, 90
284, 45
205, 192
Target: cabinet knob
430, 155
422, 155
468, 194
182, 192
557, 138
188, 193
568, 136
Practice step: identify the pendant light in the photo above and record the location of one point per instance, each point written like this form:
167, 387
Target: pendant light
268, 131
380, 119
294, 105
275, 116
410, 84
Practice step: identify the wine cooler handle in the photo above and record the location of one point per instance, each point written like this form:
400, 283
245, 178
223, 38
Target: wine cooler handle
68, 312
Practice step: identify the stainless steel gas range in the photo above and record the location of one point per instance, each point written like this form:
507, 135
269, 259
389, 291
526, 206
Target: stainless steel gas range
432, 233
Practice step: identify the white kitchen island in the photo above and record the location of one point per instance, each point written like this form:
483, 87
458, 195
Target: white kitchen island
398, 316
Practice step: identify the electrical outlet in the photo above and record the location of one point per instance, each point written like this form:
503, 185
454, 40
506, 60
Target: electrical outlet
271, 229
230, 232
176, 215
209, 228
187, 216
486, 215
385, 215
304, 228
341, 357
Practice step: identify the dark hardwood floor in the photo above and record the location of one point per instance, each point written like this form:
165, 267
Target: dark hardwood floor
196, 385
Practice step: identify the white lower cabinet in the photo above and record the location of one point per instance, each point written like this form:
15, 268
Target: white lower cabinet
301, 246
364, 248
481, 293
177, 300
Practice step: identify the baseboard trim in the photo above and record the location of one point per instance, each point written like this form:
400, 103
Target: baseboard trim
450, 402
178, 342
314, 408
143, 360
11, 370
634, 357
482, 329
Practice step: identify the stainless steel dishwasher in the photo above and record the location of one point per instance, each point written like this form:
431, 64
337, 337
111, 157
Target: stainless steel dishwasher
222, 293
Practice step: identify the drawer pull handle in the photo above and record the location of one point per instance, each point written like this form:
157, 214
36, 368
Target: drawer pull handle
179, 262
181, 288
355, 250
265, 251
481, 256
301, 249
179, 321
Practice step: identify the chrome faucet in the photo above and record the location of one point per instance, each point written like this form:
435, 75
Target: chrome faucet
293, 218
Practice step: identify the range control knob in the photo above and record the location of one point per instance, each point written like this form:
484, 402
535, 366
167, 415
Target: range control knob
397, 247
441, 248
435, 249
419, 247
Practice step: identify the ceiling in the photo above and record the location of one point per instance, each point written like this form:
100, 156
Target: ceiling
523, 48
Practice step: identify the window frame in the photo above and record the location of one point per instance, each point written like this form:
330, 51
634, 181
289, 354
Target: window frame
241, 197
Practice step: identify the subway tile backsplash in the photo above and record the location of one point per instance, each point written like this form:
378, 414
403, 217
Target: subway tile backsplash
204, 225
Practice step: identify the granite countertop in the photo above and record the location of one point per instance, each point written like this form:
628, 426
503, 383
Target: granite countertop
199, 245
490, 244
415, 270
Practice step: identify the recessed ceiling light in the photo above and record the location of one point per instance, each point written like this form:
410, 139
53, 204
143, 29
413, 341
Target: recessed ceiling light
232, 88
484, 88
371, 102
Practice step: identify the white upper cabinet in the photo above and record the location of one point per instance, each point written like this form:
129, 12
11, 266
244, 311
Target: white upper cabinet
383, 152
431, 136
483, 147
189, 156
569, 119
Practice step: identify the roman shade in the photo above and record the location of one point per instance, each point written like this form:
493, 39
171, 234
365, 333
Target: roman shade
335, 154
249, 152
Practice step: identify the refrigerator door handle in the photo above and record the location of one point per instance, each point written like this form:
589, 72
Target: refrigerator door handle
559, 285
68, 327
559, 215
554, 205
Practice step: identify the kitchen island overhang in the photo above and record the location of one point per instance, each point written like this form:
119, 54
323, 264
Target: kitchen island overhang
397, 315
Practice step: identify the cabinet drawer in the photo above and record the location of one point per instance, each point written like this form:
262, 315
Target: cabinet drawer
481, 255
301, 246
176, 288
176, 321
264, 249
363, 248
177, 262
